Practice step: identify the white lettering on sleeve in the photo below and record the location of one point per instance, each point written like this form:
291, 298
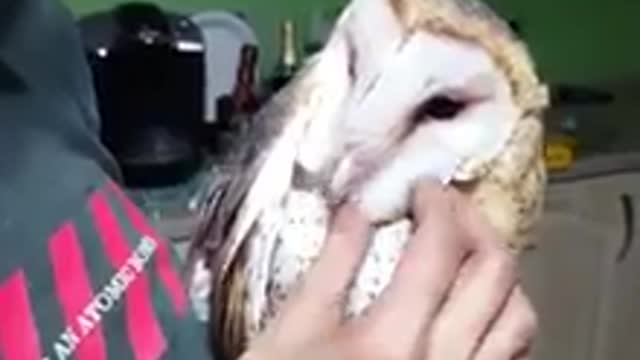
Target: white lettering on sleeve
62, 351
84, 324
69, 340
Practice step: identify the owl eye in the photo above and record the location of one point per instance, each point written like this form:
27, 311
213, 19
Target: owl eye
440, 107
352, 64
353, 60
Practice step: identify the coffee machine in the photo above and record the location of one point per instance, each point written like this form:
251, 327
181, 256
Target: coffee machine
148, 67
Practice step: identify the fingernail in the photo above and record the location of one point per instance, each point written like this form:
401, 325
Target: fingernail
430, 185
349, 217
429, 193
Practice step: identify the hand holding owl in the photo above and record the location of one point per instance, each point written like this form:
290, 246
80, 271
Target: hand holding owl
454, 295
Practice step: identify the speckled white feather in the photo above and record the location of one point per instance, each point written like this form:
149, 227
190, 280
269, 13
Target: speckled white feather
292, 235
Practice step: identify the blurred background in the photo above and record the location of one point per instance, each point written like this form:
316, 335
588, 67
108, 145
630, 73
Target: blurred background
558, 32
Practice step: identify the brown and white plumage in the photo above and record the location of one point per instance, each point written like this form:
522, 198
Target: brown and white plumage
403, 89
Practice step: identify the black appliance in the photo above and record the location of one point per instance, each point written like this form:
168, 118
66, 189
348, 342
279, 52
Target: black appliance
148, 69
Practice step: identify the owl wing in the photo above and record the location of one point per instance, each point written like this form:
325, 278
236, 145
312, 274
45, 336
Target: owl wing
256, 181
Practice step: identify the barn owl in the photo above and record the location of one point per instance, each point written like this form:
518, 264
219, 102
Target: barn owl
402, 90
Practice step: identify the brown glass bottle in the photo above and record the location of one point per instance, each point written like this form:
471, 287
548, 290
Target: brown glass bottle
288, 61
242, 103
244, 96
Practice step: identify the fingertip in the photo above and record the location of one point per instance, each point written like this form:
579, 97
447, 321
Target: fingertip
348, 233
348, 219
478, 226
428, 194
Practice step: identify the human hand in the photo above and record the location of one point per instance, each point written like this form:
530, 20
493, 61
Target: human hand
454, 296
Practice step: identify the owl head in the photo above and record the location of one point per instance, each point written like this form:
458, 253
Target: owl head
411, 88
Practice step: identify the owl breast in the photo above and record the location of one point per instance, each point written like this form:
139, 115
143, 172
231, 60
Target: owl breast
302, 222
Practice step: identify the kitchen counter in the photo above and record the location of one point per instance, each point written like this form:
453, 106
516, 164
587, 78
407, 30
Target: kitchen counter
172, 209
598, 166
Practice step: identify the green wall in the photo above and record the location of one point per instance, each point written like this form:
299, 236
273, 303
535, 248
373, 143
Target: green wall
584, 41
264, 15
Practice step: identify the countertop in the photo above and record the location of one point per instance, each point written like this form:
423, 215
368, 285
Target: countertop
598, 166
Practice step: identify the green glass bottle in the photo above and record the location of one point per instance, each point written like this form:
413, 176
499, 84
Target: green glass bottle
288, 61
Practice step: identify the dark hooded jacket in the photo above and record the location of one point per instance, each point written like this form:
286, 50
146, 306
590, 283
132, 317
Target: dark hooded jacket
82, 275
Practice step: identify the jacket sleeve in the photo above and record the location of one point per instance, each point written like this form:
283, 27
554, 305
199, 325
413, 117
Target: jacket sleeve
185, 335
101, 284
81, 265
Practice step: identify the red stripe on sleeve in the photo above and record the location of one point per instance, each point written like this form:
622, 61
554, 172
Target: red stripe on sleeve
164, 266
144, 331
73, 289
19, 338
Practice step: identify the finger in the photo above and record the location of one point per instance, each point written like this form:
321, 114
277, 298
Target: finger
524, 355
324, 287
512, 335
480, 293
483, 235
422, 278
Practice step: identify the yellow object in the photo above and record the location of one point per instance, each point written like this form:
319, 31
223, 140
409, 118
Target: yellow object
559, 152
